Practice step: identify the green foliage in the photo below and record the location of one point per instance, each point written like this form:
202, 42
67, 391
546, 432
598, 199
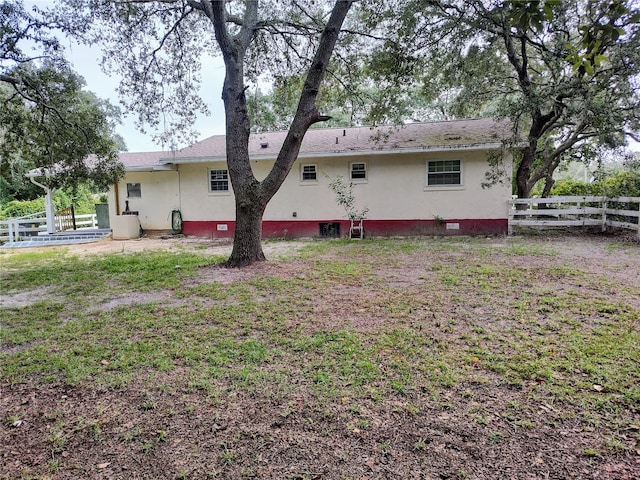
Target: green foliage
82, 199
569, 187
48, 121
21, 208
54, 124
274, 111
346, 198
621, 183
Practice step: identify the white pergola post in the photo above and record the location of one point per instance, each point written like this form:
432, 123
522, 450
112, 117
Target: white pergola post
51, 213
48, 204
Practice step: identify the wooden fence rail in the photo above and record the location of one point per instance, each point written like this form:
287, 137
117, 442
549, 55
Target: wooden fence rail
618, 212
15, 228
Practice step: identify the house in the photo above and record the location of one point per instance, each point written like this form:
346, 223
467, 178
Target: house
420, 178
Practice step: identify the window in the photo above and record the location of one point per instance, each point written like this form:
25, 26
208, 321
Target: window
309, 173
358, 171
133, 190
218, 180
444, 172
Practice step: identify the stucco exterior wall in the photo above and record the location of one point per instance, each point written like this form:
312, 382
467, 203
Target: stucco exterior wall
395, 191
160, 194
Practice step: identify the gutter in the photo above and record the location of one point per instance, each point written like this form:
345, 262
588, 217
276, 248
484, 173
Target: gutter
349, 153
166, 167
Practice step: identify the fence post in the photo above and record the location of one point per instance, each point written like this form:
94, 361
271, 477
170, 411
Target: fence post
73, 217
638, 219
11, 228
604, 214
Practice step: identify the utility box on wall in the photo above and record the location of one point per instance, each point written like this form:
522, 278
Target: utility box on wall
125, 227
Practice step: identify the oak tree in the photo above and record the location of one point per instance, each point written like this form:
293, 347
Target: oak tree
158, 48
565, 73
47, 119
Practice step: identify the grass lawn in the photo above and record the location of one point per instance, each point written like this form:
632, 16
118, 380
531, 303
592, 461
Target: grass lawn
446, 358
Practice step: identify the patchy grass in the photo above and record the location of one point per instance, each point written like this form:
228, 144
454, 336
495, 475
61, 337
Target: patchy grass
398, 349
98, 275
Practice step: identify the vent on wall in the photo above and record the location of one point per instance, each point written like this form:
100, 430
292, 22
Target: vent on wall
330, 229
264, 144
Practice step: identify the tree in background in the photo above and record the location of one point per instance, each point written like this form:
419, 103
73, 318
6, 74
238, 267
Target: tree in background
157, 48
82, 198
274, 110
566, 73
47, 120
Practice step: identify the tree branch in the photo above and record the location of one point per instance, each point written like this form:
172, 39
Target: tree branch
307, 113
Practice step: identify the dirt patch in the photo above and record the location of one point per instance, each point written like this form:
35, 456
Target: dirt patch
22, 299
104, 434
179, 243
170, 424
163, 297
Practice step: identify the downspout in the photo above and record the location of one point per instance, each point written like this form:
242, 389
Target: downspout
117, 195
48, 206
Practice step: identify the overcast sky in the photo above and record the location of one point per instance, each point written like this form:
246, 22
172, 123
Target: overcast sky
86, 62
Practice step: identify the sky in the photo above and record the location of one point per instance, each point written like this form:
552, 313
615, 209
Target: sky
86, 62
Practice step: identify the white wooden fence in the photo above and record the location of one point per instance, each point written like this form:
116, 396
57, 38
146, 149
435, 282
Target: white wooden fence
618, 212
13, 229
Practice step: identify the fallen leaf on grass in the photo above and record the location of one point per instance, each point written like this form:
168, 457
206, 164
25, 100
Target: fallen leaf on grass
597, 388
104, 362
103, 465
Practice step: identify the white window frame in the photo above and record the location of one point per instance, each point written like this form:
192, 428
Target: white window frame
366, 172
308, 181
445, 186
132, 188
210, 180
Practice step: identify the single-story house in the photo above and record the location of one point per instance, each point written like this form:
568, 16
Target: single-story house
419, 178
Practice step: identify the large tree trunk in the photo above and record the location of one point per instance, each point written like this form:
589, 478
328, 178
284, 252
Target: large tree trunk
252, 196
247, 239
523, 172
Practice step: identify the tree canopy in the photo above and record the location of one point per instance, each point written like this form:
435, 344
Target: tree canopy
47, 120
566, 73
158, 48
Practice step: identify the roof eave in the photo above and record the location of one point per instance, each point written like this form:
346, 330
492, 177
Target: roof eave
342, 153
167, 167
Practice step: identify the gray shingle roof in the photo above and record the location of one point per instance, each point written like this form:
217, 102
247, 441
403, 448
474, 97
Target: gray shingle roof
141, 159
451, 135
